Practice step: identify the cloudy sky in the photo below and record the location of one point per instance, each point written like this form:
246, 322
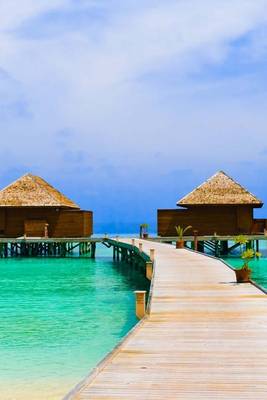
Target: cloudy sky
127, 105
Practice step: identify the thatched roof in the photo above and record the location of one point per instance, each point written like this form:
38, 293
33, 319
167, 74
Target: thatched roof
220, 189
33, 191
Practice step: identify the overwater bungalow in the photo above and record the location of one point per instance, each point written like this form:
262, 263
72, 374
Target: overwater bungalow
219, 205
31, 207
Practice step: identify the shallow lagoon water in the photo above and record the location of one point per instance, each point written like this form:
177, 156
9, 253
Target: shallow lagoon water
59, 317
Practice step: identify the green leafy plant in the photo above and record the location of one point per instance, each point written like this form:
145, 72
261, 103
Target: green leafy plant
143, 229
241, 239
144, 226
181, 231
248, 254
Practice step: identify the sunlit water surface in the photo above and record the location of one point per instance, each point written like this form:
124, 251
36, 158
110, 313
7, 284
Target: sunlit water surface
58, 318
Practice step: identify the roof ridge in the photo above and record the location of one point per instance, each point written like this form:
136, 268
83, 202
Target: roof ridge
44, 189
13, 182
32, 190
239, 184
243, 191
199, 186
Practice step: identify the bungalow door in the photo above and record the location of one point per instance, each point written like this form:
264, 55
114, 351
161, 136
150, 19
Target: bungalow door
35, 228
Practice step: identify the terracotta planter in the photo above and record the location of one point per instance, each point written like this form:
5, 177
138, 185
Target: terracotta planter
180, 244
145, 235
243, 275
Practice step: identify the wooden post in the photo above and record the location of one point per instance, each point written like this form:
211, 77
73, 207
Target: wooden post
140, 303
141, 247
93, 250
217, 253
195, 240
257, 246
200, 246
123, 254
152, 255
224, 246
149, 270
46, 230
131, 256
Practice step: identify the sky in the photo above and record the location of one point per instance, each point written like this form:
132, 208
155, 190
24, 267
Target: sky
126, 106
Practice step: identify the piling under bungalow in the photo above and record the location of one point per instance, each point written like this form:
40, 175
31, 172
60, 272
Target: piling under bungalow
54, 247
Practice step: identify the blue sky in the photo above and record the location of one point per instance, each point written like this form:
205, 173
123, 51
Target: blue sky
126, 106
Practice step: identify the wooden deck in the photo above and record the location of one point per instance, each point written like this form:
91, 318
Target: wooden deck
205, 338
200, 238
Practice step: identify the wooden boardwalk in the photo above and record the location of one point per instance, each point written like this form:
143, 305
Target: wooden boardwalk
205, 338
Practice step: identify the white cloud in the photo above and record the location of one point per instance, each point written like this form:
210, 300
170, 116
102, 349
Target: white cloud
124, 86
14, 12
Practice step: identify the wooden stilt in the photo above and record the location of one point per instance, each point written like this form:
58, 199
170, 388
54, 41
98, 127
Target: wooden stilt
224, 247
200, 246
93, 250
195, 240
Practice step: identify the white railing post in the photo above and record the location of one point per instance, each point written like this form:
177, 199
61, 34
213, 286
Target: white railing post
152, 255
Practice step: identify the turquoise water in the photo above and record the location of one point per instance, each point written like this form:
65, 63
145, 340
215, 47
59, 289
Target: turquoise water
59, 317
258, 266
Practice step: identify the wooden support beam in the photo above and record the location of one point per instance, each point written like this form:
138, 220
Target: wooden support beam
140, 303
152, 255
195, 240
200, 246
149, 270
224, 247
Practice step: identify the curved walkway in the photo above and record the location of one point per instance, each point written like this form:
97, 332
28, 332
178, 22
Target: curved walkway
205, 338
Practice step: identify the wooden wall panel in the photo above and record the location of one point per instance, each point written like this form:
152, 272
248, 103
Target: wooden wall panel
62, 222
2, 221
244, 218
34, 227
88, 223
223, 220
72, 224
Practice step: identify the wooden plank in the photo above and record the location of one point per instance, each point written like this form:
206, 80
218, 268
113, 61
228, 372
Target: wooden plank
205, 337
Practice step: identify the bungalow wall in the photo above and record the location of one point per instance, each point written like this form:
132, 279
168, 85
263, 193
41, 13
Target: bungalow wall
224, 220
62, 222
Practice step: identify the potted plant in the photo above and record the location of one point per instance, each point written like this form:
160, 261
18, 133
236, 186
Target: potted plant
243, 274
144, 231
180, 233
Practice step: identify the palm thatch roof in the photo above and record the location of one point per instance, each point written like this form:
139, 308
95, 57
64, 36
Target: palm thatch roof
220, 189
33, 191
